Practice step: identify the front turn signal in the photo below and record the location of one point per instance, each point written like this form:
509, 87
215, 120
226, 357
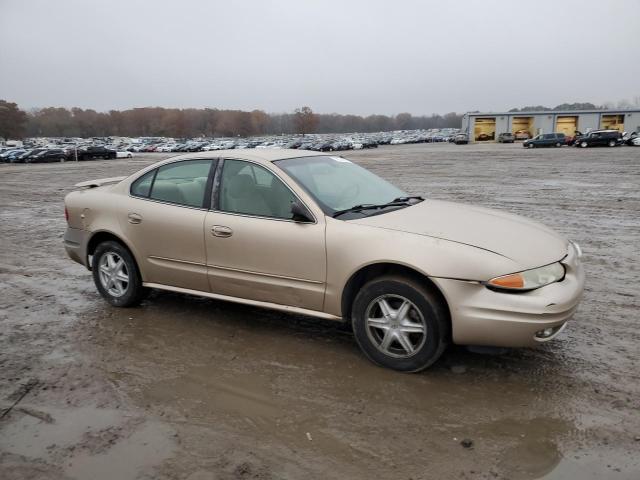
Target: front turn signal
515, 280
529, 279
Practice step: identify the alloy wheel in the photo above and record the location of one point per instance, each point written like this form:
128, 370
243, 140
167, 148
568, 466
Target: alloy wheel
114, 276
395, 326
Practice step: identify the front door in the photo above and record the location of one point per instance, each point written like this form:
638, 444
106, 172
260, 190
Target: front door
254, 249
164, 219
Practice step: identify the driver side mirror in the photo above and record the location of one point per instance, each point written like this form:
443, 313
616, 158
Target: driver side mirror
299, 213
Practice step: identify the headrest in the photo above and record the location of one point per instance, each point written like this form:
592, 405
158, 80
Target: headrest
240, 186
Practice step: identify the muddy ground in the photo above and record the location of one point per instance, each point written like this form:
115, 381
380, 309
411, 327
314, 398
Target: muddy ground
184, 387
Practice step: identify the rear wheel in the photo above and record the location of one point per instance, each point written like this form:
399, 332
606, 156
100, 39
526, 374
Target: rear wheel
116, 275
612, 143
399, 324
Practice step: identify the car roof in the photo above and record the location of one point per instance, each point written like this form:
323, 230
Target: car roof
263, 155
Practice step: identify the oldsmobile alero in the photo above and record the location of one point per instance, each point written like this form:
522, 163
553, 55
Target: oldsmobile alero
316, 234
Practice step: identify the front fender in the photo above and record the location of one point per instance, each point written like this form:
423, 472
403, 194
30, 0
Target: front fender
351, 247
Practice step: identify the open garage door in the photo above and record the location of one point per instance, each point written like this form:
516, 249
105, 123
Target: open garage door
567, 125
484, 129
522, 128
612, 122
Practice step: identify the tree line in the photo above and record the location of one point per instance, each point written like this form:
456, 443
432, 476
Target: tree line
198, 122
213, 122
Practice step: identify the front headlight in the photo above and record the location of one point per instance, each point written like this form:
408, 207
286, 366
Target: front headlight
529, 279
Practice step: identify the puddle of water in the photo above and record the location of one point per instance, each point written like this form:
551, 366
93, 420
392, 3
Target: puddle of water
145, 449
29, 436
100, 444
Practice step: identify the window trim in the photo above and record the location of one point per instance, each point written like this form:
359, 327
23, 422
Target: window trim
207, 192
216, 190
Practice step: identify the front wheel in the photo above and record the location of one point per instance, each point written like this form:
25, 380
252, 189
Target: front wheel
116, 275
531, 145
399, 324
584, 144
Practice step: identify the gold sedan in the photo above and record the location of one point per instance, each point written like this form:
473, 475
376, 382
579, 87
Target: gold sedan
316, 234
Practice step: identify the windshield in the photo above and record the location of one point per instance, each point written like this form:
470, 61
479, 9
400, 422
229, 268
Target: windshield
337, 184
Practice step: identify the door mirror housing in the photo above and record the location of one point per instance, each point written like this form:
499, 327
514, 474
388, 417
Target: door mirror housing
299, 213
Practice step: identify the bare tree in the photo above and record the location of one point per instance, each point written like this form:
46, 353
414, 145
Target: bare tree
12, 120
305, 120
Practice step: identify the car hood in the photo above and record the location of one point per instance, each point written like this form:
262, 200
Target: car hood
528, 243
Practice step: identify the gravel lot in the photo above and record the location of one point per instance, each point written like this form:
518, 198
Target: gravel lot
184, 387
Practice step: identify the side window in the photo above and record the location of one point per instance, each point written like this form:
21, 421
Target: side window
142, 186
183, 183
253, 190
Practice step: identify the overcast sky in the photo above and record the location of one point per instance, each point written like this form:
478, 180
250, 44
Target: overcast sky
343, 56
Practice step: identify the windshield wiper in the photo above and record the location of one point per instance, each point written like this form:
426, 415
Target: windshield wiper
396, 202
406, 199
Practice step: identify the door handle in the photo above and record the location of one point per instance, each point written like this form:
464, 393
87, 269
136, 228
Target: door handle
221, 231
134, 218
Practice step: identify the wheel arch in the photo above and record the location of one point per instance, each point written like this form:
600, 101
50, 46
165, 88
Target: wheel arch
374, 270
101, 236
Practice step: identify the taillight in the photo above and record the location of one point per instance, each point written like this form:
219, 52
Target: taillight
66, 214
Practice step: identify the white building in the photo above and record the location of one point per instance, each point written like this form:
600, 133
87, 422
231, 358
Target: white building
487, 126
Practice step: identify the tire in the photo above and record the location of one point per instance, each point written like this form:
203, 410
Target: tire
115, 290
531, 145
558, 144
612, 143
426, 319
584, 144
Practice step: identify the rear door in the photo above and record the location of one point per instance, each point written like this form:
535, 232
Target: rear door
163, 219
254, 249
595, 139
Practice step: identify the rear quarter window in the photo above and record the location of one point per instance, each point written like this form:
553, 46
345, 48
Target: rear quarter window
142, 186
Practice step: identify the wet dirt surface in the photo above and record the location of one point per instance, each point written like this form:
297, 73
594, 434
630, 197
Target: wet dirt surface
184, 387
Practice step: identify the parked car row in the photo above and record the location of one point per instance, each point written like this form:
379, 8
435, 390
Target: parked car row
57, 153
595, 138
55, 150
316, 142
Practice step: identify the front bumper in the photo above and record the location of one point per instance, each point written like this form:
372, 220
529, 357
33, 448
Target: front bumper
75, 243
480, 316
